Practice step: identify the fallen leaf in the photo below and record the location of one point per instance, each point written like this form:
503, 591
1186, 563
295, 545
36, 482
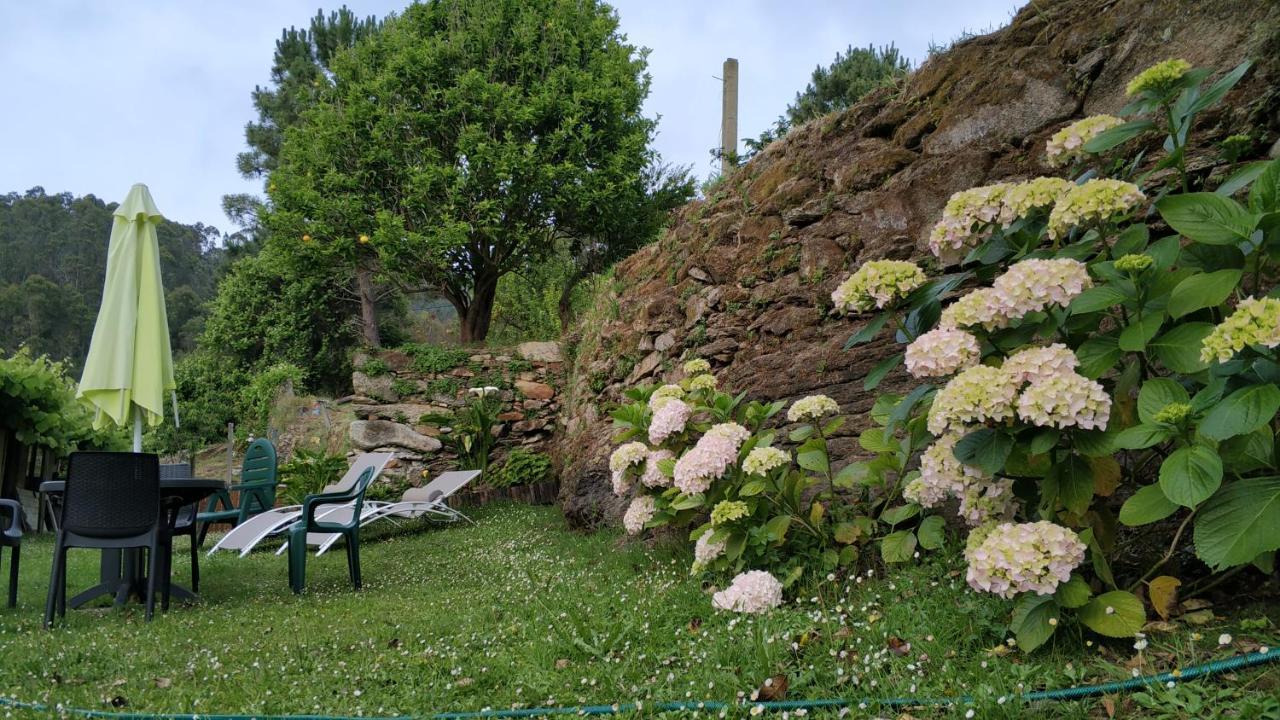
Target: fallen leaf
118, 682
1163, 592
1106, 475
775, 688
1195, 604
1109, 704
163, 682
899, 646
463, 682
393, 643
1199, 617
562, 663
1160, 626
694, 624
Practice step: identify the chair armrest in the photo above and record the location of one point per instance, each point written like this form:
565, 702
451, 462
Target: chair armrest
311, 502
222, 497
15, 513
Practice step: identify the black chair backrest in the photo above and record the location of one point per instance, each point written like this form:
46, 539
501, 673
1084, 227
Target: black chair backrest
175, 471
111, 495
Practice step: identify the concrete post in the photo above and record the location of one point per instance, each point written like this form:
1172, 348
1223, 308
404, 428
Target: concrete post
729, 116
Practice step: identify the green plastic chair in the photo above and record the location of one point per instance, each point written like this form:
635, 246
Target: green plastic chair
257, 488
341, 516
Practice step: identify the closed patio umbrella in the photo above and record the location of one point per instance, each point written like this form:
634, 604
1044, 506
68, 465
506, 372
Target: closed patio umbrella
129, 370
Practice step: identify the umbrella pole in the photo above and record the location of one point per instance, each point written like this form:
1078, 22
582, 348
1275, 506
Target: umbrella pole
137, 429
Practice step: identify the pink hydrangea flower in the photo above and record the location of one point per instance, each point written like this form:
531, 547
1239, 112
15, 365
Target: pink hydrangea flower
966, 220
652, 477
942, 351
668, 420
754, 592
709, 458
705, 551
981, 503
1009, 559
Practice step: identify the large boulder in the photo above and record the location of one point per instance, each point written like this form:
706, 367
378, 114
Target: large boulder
379, 387
373, 434
543, 352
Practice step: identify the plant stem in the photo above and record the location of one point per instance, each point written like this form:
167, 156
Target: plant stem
1173, 547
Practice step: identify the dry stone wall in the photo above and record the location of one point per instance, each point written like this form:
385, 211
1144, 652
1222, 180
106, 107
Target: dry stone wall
390, 405
744, 277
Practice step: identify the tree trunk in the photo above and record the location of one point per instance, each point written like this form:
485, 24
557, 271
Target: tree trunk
368, 307
565, 306
474, 324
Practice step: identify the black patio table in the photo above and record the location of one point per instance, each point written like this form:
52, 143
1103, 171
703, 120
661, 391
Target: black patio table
119, 572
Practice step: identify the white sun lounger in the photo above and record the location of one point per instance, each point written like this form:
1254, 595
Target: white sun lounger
246, 536
416, 502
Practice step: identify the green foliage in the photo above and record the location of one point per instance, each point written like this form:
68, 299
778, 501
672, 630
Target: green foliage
471, 436
53, 253
505, 118
259, 396
852, 74
375, 367
38, 404
522, 468
435, 359
308, 471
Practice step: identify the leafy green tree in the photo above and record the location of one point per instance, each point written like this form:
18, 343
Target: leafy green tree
460, 142
854, 73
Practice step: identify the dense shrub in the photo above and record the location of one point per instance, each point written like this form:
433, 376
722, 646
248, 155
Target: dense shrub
1102, 375
308, 471
522, 467
38, 404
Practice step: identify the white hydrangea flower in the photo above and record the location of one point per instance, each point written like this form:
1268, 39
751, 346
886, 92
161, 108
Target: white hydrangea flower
640, 511
663, 395
876, 284
1032, 285
966, 221
1065, 400
668, 420
978, 308
976, 395
1037, 363
705, 551
652, 477
697, 366
1067, 145
1009, 559
941, 474
763, 459
753, 592
1096, 201
812, 407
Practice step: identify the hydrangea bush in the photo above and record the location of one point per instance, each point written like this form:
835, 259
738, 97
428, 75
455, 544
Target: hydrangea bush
1102, 353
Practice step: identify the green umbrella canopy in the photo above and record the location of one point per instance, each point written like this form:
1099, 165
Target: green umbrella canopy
129, 369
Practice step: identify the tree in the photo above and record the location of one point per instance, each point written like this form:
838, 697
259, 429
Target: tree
854, 73
461, 142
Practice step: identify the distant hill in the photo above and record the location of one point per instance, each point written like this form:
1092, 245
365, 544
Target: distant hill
53, 255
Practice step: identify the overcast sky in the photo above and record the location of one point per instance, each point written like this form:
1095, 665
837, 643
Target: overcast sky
99, 95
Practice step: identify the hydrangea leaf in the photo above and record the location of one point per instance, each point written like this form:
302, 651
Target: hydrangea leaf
931, 532
1239, 523
1208, 218
1179, 349
1074, 592
985, 449
1147, 505
1190, 475
1248, 452
897, 547
1035, 617
1203, 290
1142, 436
1156, 393
1116, 614
1243, 411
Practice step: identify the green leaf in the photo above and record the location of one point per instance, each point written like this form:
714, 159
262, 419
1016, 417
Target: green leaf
777, 527
1207, 218
801, 433
873, 440
1095, 299
1239, 523
1131, 240
1035, 617
1190, 475
1241, 177
1179, 349
734, 546
1249, 452
846, 533
896, 515
897, 547
1135, 337
1098, 355
751, 488
868, 331
1043, 441
1146, 506
1117, 135
1218, 89
812, 456
1156, 394
850, 474
1243, 411
1141, 437
931, 532
1264, 196
882, 368
1074, 592
985, 449
1202, 290
1074, 479
1117, 614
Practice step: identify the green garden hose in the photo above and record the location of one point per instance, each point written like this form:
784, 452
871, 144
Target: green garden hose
1073, 693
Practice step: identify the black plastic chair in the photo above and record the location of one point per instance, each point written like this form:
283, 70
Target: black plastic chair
112, 501
11, 537
185, 521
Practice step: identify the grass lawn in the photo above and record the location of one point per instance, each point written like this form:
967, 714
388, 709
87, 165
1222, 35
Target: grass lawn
521, 612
